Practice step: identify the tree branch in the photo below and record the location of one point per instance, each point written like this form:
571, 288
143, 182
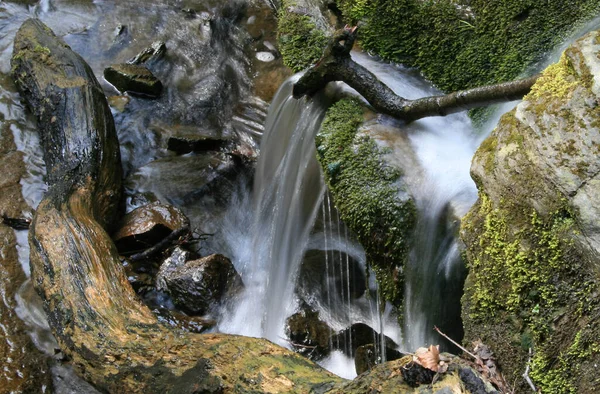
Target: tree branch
337, 65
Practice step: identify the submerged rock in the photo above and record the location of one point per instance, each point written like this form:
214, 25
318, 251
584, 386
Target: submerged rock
153, 53
194, 141
308, 334
134, 79
200, 284
147, 225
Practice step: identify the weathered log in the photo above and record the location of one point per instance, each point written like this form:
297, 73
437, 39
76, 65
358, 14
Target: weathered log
113, 340
337, 65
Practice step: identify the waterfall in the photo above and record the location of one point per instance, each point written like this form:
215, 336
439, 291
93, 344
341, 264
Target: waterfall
288, 190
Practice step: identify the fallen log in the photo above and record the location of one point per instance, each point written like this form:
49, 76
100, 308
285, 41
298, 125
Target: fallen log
112, 339
336, 64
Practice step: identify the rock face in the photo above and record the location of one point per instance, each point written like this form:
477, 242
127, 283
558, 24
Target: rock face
134, 79
202, 283
533, 237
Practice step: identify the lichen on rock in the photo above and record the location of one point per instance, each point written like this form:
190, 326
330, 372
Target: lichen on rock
532, 238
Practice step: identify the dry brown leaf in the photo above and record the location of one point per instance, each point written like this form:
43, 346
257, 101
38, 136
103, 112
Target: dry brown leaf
428, 358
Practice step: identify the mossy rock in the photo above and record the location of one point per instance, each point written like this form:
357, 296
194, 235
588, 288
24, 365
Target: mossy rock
301, 34
459, 44
532, 239
370, 195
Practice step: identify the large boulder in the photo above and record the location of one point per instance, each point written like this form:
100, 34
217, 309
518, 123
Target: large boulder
370, 187
533, 237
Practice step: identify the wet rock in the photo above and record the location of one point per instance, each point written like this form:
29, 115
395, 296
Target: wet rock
153, 53
134, 79
200, 284
118, 103
184, 142
169, 178
313, 280
177, 259
367, 356
308, 334
144, 227
359, 334
24, 367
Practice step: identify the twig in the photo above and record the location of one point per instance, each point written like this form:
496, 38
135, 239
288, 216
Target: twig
161, 245
16, 223
297, 344
455, 343
526, 374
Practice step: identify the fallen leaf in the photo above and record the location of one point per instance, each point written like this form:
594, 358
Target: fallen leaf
428, 358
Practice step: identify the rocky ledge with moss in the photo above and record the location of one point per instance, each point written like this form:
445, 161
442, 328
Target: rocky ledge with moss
533, 238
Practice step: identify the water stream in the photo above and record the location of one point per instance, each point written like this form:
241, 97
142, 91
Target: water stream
278, 224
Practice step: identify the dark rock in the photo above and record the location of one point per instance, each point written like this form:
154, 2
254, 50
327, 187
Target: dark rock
134, 79
177, 259
200, 284
358, 334
185, 142
313, 281
415, 375
308, 334
145, 226
367, 356
151, 54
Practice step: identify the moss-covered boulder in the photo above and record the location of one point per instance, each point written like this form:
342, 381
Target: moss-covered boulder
370, 194
302, 32
532, 238
459, 44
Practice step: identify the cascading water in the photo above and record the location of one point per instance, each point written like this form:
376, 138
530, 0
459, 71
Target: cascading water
288, 190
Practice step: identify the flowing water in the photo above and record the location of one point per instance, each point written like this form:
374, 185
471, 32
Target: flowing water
278, 225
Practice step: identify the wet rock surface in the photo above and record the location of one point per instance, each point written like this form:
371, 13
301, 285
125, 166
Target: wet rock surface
345, 277
186, 141
200, 284
359, 334
309, 335
24, 367
134, 79
146, 226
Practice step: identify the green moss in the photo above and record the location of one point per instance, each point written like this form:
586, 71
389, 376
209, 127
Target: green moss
301, 43
557, 81
528, 273
458, 47
367, 194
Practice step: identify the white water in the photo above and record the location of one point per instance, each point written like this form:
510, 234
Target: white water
288, 191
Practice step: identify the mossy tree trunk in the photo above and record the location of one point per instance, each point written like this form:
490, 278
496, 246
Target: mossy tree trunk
113, 340
337, 65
